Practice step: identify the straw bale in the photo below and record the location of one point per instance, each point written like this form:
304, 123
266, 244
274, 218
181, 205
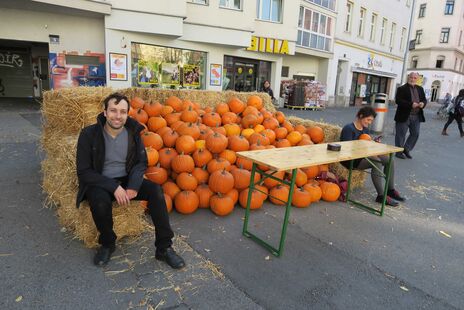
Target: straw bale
332, 134
129, 221
68, 110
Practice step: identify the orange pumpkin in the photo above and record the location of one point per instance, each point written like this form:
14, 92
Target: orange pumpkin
330, 191
256, 199
221, 181
165, 157
156, 174
152, 156
301, 198
152, 139
279, 195
236, 105
182, 163
170, 188
185, 144
255, 101
221, 205
137, 103
316, 133
153, 108
186, 202
365, 136
186, 181
202, 157
314, 190
204, 194
216, 143
174, 102
156, 122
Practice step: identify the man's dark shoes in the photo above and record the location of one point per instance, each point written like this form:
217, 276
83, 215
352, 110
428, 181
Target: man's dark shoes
170, 257
406, 152
103, 255
400, 155
393, 193
389, 202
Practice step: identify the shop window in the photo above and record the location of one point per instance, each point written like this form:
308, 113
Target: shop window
231, 4
422, 8
440, 61
270, 10
444, 35
449, 7
168, 68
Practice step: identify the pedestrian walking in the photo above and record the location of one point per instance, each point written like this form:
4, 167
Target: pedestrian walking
111, 161
353, 131
455, 112
411, 102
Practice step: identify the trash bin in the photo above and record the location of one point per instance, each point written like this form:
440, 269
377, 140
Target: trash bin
381, 108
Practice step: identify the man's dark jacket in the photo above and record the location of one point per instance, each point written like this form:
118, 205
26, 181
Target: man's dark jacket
91, 157
404, 101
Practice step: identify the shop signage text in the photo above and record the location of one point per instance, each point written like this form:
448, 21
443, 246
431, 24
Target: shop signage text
10, 60
372, 62
268, 45
438, 76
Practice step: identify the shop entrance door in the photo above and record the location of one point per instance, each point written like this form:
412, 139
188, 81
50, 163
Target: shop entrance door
245, 76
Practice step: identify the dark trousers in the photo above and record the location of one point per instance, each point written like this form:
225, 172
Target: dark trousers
451, 118
401, 129
376, 178
101, 202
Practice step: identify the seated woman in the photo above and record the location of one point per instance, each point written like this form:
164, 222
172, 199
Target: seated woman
352, 131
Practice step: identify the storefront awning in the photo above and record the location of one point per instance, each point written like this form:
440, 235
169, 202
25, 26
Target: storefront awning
374, 72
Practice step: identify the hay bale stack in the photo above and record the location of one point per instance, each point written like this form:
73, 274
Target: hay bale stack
332, 134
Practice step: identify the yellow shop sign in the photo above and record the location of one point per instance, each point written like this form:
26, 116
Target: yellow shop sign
268, 45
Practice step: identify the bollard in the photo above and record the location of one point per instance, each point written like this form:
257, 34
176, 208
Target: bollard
381, 108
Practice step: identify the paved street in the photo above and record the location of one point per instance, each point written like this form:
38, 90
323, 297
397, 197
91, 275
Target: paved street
335, 257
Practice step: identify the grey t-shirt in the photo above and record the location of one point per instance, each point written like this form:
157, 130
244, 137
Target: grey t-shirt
115, 154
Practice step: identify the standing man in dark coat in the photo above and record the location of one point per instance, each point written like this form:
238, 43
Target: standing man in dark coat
411, 101
111, 161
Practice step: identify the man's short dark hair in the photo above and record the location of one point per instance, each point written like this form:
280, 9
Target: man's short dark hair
118, 98
366, 112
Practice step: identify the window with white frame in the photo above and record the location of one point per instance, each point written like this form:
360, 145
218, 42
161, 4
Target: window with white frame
373, 27
449, 7
383, 29
418, 36
349, 11
392, 36
362, 17
422, 8
455, 63
440, 61
460, 65
314, 30
414, 61
231, 4
408, 3
330, 4
403, 38
270, 10
460, 37
205, 2
444, 35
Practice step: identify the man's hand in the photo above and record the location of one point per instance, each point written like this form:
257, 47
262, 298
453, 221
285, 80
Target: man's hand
416, 105
421, 105
121, 196
131, 193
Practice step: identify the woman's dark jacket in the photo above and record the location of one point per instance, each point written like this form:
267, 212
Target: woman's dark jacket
404, 101
91, 157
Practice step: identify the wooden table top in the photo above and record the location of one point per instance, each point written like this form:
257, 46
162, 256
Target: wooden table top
317, 154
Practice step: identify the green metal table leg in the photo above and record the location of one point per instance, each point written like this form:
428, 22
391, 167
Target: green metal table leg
250, 191
348, 188
387, 178
276, 252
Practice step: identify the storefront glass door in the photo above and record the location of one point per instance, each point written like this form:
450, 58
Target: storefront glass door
246, 75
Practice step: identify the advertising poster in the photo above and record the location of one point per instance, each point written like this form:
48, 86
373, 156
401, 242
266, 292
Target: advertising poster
191, 75
118, 67
215, 75
170, 74
148, 72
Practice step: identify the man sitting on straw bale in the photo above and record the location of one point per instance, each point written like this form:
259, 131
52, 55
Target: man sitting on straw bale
111, 161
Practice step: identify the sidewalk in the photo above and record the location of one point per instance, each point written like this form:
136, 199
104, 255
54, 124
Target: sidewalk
335, 257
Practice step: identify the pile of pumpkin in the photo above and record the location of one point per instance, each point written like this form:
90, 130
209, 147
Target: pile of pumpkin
192, 154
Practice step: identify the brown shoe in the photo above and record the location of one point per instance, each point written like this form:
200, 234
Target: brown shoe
443, 133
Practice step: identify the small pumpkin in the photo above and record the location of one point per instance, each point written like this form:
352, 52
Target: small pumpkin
186, 202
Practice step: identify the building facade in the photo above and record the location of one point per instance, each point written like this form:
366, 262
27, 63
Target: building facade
437, 47
180, 44
370, 43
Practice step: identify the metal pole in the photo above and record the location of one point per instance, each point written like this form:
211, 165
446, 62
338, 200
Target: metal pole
406, 51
